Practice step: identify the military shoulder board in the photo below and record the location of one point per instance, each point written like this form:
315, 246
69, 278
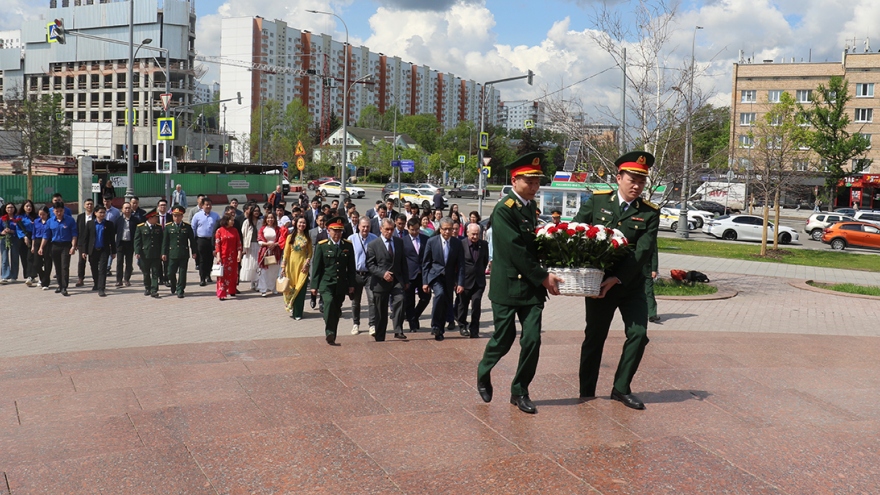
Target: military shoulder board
509, 203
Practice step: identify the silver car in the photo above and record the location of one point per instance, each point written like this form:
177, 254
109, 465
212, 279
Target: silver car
818, 222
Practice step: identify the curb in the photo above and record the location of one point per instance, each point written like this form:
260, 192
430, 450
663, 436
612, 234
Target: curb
720, 295
805, 285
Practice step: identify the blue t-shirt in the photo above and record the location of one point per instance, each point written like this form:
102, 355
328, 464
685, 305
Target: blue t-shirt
63, 230
99, 235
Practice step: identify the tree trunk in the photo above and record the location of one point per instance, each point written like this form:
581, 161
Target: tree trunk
30, 179
776, 221
766, 212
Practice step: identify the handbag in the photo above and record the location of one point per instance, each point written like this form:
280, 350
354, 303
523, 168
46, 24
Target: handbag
217, 271
282, 284
270, 259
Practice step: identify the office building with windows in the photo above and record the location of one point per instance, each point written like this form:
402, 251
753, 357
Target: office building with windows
269, 60
522, 114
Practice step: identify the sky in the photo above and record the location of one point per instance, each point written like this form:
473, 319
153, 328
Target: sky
494, 39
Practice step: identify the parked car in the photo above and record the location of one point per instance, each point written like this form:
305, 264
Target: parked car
334, 188
818, 222
415, 197
846, 211
504, 191
465, 191
668, 220
868, 216
746, 228
712, 207
699, 217
844, 234
432, 187
314, 184
391, 187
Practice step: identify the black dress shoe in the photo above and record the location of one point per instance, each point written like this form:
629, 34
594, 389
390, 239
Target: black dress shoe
654, 319
102, 293
523, 403
157, 296
147, 292
434, 331
64, 293
439, 336
400, 335
180, 296
484, 387
313, 301
474, 335
58, 290
450, 326
464, 332
331, 339
203, 283
94, 289
210, 280
628, 400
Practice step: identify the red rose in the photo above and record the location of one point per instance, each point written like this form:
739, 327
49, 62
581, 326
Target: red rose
615, 243
552, 230
581, 228
592, 232
563, 225
609, 232
570, 231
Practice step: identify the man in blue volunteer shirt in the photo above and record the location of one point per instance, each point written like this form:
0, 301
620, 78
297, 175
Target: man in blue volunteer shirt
62, 234
99, 246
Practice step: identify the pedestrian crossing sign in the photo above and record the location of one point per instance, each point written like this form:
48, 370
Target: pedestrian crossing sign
167, 129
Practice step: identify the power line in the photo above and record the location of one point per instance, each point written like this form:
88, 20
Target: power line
575, 83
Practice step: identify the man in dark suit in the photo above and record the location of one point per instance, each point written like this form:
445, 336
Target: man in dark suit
126, 225
376, 222
400, 226
392, 213
372, 212
99, 246
476, 259
442, 273
388, 280
319, 233
313, 212
164, 219
81, 220
414, 244
351, 226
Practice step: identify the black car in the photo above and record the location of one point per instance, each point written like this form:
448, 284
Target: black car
465, 191
712, 207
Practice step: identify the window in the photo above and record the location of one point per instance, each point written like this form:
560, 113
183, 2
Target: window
801, 165
776, 120
774, 95
868, 137
864, 114
803, 95
745, 163
864, 90
746, 142
749, 96
747, 119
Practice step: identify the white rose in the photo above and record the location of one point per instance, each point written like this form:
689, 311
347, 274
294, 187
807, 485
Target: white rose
601, 236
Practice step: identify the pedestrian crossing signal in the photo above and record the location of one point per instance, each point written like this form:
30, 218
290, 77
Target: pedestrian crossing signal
166, 128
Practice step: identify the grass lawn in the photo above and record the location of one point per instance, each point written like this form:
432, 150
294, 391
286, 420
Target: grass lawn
667, 287
849, 288
750, 252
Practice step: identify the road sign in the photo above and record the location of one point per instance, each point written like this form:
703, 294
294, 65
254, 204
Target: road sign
134, 112
486, 171
52, 32
395, 163
300, 163
284, 165
300, 151
461, 158
166, 99
486, 160
484, 140
407, 166
167, 129
529, 124
226, 147
285, 174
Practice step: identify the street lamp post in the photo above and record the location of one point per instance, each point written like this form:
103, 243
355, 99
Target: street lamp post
132, 52
343, 194
683, 212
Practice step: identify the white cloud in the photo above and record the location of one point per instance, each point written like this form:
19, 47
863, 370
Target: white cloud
16, 11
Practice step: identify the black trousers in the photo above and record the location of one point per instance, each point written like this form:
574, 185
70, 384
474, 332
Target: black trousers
61, 259
380, 306
44, 265
474, 298
443, 297
124, 256
414, 311
205, 247
99, 260
81, 266
29, 259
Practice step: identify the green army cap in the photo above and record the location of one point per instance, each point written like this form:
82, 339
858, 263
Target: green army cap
528, 165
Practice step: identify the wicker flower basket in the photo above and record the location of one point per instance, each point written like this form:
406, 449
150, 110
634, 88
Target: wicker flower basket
579, 282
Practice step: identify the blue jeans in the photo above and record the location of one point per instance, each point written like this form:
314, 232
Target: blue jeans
9, 259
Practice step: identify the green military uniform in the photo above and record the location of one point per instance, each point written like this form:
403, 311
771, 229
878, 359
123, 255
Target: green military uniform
178, 244
333, 269
515, 288
639, 223
148, 245
649, 284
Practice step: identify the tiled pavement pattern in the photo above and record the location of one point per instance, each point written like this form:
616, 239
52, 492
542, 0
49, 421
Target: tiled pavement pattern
744, 396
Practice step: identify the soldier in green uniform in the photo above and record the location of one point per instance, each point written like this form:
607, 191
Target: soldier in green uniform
650, 274
518, 284
178, 244
624, 284
333, 272
148, 251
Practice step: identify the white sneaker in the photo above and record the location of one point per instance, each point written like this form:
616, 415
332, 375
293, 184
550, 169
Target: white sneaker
372, 330
4, 281
46, 288
29, 282
355, 330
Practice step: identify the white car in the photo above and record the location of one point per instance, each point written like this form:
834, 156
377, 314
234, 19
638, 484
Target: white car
747, 228
699, 217
334, 188
668, 220
415, 197
431, 187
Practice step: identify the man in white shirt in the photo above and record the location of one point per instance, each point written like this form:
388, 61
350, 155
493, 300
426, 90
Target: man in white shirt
360, 240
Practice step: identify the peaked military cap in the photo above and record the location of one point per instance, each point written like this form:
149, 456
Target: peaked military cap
637, 162
528, 165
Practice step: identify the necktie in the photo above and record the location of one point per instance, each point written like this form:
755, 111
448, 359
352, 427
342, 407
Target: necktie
445, 251
390, 247
624, 206
162, 219
416, 243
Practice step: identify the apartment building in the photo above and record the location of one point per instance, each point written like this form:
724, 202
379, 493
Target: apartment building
91, 75
523, 114
310, 67
757, 86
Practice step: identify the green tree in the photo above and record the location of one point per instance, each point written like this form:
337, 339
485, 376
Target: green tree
830, 138
424, 129
33, 122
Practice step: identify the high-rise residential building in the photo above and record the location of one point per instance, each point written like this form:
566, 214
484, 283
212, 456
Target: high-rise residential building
523, 114
206, 92
758, 86
91, 75
10, 39
310, 67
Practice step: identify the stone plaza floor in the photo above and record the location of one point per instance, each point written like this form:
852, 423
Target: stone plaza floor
771, 391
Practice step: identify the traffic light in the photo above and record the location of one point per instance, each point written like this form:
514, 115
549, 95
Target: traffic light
55, 32
531, 76
239, 97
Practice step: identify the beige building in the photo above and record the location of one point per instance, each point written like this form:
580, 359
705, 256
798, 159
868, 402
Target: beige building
757, 86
